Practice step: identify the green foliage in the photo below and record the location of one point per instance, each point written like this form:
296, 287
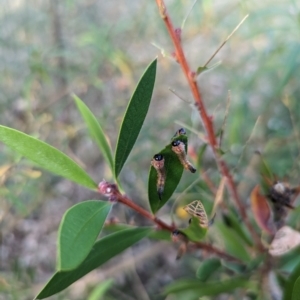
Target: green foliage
173, 169
196, 288
207, 268
95, 130
234, 244
100, 290
134, 116
292, 284
201, 153
103, 250
195, 232
261, 68
79, 228
296, 290
155, 234
45, 156
233, 223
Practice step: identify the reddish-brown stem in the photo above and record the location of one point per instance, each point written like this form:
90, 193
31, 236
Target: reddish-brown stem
211, 249
128, 202
206, 119
112, 192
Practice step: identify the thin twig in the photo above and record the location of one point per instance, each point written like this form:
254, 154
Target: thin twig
209, 182
111, 191
187, 15
219, 196
246, 144
181, 98
225, 41
126, 201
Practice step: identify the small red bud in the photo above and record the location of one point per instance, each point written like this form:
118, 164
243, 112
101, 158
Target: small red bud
193, 75
178, 32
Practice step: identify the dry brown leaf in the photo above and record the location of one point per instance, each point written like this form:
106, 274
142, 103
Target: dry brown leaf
261, 210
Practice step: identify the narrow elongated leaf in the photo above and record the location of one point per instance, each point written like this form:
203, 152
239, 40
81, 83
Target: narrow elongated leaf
255, 262
232, 221
100, 290
78, 231
201, 153
296, 290
237, 268
95, 131
288, 290
45, 156
201, 289
173, 173
233, 243
134, 117
207, 268
103, 250
156, 234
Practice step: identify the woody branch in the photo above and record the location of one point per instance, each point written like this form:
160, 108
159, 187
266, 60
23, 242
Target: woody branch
206, 119
111, 191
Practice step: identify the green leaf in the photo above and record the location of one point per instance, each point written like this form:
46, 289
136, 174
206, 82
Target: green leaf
232, 221
194, 231
95, 131
78, 231
100, 290
201, 289
266, 170
234, 267
201, 153
288, 291
255, 262
163, 235
233, 243
201, 70
266, 173
204, 69
156, 234
281, 279
134, 117
45, 156
296, 290
207, 268
173, 170
103, 250
290, 260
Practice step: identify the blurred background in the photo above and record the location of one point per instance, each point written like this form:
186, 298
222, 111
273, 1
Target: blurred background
98, 50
